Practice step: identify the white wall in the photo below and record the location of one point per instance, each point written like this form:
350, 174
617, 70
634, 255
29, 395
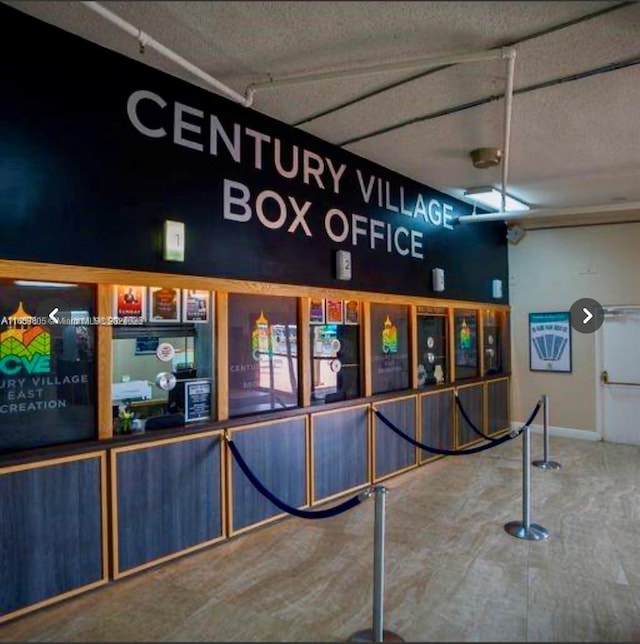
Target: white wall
549, 270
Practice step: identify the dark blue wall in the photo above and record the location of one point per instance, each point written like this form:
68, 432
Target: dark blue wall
79, 184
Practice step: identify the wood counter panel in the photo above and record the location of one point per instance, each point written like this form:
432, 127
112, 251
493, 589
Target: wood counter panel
167, 500
340, 451
392, 452
51, 531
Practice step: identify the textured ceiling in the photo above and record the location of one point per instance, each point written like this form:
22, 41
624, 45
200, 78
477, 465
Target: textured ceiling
575, 137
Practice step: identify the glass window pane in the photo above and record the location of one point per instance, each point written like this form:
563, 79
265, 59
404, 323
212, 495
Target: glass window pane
492, 342
432, 348
466, 344
389, 347
335, 352
263, 353
163, 368
47, 368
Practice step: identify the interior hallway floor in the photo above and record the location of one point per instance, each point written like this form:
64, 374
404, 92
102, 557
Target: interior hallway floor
452, 572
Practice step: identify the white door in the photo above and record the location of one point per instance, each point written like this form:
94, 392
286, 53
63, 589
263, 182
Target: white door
620, 377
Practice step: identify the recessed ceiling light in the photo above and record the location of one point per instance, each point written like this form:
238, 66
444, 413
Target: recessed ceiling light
491, 198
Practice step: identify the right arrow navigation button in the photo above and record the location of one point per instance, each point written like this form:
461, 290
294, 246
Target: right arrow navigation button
586, 315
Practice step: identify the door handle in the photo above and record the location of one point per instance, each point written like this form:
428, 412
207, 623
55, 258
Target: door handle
604, 378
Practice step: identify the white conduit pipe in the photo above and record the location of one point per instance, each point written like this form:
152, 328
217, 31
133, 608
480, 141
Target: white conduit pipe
146, 40
508, 103
451, 59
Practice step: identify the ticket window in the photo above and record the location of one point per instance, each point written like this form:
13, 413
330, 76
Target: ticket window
390, 359
263, 354
496, 343
432, 347
466, 344
162, 357
335, 350
47, 363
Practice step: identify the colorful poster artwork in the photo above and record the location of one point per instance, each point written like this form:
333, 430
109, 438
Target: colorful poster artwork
351, 312
260, 337
389, 337
316, 311
129, 301
334, 312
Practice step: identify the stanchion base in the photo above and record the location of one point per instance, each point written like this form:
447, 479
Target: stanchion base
366, 635
534, 533
547, 465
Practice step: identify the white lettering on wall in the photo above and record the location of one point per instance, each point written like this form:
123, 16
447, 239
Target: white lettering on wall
179, 125
132, 112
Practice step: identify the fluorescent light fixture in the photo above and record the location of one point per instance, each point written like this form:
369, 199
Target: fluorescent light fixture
492, 198
43, 284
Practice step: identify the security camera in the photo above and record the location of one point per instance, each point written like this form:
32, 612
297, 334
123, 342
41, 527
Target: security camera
515, 233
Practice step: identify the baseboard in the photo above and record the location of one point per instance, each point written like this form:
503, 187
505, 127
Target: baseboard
563, 432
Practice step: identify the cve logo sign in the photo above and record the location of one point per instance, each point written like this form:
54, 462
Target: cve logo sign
24, 348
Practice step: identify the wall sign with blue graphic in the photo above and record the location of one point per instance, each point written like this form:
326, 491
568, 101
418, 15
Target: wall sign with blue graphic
550, 342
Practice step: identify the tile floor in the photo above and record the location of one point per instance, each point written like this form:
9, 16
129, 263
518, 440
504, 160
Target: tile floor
452, 572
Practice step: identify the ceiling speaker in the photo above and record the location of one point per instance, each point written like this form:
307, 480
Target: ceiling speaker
485, 157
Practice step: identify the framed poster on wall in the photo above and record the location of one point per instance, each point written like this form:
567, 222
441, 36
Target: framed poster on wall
550, 342
164, 304
129, 301
195, 306
316, 311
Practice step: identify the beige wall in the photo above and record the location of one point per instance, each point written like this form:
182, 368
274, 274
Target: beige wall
549, 270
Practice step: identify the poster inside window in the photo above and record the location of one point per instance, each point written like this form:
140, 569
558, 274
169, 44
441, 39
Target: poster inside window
164, 304
466, 343
389, 348
47, 364
263, 353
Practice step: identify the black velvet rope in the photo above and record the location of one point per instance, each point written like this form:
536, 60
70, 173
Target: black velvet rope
303, 514
469, 422
453, 452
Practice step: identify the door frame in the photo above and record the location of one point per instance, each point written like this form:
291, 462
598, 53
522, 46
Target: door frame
599, 349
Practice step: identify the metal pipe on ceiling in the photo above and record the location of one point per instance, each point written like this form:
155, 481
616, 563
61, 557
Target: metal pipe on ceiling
404, 81
146, 40
450, 59
508, 105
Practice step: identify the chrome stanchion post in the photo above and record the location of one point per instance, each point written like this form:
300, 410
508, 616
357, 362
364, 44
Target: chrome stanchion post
377, 632
545, 463
525, 529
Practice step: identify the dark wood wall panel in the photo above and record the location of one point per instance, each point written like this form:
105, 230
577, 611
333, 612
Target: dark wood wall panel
276, 454
169, 499
393, 452
340, 451
472, 399
498, 406
50, 532
437, 421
